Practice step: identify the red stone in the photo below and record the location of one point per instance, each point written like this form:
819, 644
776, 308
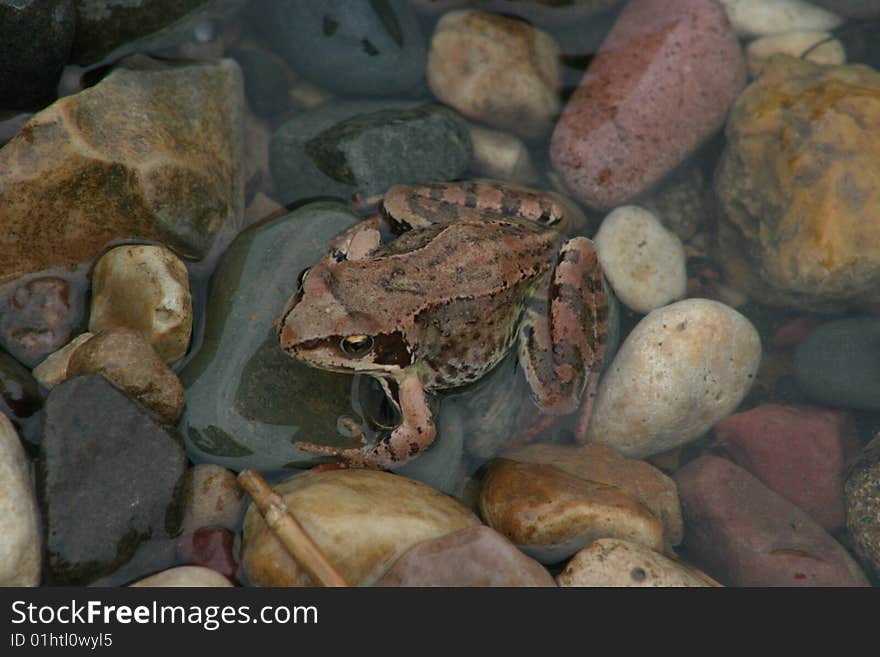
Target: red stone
660, 85
799, 452
744, 534
211, 547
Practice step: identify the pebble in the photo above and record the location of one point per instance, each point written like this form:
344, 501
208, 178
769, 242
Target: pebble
38, 317
476, 556
643, 262
863, 505
683, 368
616, 562
246, 400
496, 70
641, 110
210, 497
20, 526
852, 8
836, 364
501, 156
603, 465
802, 453
125, 357
53, 369
682, 202
172, 176
360, 49
747, 535
550, 514
19, 394
36, 43
266, 79
211, 547
792, 231
817, 47
757, 18
107, 482
339, 149
146, 288
362, 520
184, 576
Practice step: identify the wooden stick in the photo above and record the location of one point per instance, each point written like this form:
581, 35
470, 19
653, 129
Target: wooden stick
288, 530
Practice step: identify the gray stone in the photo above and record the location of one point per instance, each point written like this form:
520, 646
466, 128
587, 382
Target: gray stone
862, 491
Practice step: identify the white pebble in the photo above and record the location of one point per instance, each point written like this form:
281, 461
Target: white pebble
185, 577
211, 498
643, 262
53, 369
754, 18
682, 369
20, 556
817, 47
502, 156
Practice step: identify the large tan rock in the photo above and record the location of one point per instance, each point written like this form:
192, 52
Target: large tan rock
362, 520
798, 186
148, 153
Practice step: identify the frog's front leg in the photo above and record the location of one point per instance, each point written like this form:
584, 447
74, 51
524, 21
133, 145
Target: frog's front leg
414, 434
562, 338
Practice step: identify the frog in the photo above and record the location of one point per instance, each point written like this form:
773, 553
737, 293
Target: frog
435, 289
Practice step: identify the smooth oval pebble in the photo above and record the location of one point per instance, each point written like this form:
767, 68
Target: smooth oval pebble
211, 497
683, 368
53, 370
184, 576
20, 556
615, 562
755, 18
817, 47
643, 262
362, 520
661, 84
144, 287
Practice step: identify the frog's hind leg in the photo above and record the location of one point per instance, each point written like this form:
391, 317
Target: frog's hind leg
562, 339
413, 435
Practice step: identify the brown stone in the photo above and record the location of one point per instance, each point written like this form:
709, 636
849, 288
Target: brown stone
127, 359
604, 465
82, 172
797, 187
552, 514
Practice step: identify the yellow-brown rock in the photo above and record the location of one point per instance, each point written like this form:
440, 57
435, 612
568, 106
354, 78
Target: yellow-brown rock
551, 514
799, 187
362, 520
151, 152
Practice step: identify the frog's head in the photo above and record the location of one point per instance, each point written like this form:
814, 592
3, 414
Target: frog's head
325, 327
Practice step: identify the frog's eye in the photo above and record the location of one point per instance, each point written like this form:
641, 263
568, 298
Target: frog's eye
356, 346
303, 275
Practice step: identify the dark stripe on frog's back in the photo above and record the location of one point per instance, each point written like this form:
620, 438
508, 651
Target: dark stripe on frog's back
461, 340
411, 274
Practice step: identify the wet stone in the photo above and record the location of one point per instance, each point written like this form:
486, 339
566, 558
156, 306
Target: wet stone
37, 37
20, 528
211, 497
184, 576
363, 48
246, 400
211, 547
38, 317
341, 149
107, 478
266, 79
19, 392
862, 490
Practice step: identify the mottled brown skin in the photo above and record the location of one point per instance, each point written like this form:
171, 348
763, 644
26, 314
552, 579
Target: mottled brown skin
478, 268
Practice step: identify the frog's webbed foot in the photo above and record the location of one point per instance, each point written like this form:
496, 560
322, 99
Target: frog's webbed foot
562, 340
414, 434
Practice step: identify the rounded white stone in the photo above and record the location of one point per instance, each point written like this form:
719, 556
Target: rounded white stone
753, 18
682, 369
20, 556
502, 156
616, 562
643, 262
53, 369
184, 576
817, 47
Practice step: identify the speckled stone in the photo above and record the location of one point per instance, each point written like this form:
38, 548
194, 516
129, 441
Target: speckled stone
211, 497
660, 85
862, 490
53, 370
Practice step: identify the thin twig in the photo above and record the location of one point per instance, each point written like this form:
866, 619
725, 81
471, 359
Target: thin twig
288, 530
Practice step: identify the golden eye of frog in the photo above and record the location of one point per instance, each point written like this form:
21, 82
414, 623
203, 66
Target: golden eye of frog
477, 268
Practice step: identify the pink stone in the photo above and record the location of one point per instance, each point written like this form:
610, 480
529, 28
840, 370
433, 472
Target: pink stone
793, 331
744, 534
659, 86
799, 452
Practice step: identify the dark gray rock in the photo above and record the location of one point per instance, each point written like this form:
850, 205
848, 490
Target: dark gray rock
265, 80
19, 392
374, 48
347, 148
839, 364
35, 41
107, 477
